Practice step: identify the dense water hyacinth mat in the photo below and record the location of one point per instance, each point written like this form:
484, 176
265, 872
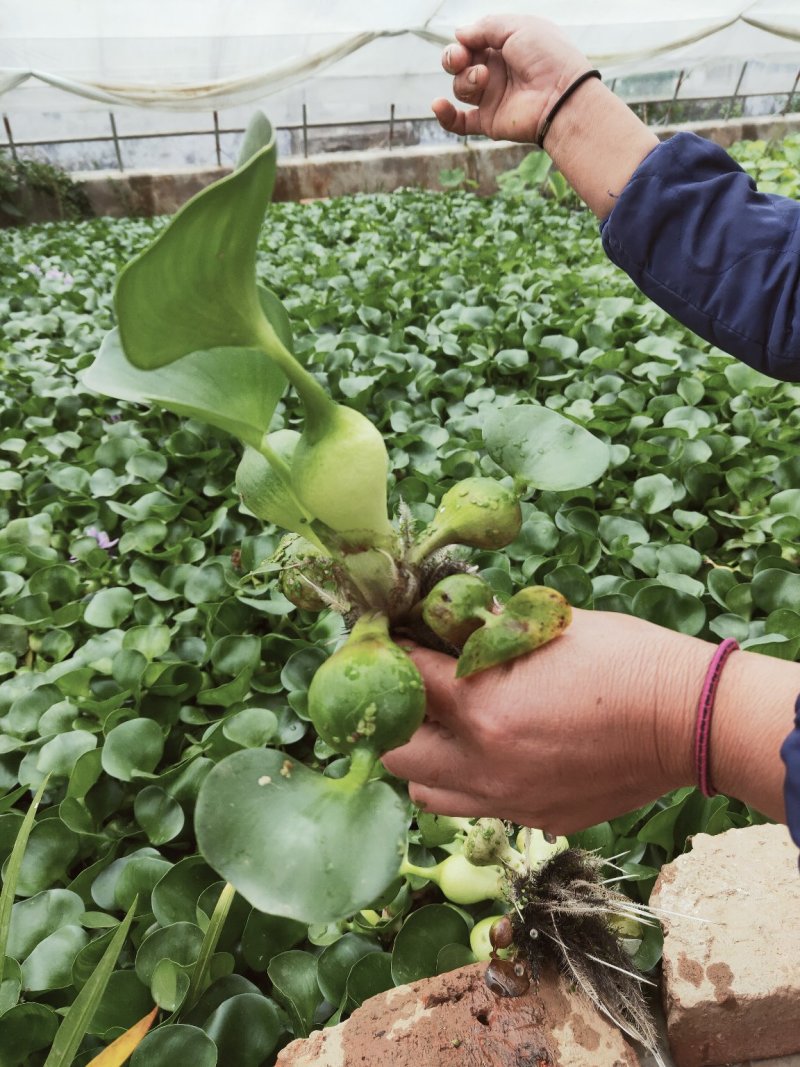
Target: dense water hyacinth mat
140, 645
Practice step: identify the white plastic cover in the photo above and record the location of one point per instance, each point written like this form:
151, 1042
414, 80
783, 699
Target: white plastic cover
344, 61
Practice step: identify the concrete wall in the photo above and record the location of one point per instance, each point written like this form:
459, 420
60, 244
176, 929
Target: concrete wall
139, 193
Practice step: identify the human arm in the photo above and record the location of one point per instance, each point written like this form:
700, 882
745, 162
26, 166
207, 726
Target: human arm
594, 724
514, 68
681, 217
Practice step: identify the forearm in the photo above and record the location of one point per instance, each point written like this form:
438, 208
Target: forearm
597, 143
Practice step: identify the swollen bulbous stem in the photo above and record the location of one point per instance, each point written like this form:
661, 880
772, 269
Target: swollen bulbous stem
281, 468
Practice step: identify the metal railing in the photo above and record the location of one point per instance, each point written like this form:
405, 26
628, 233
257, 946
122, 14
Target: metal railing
650, 108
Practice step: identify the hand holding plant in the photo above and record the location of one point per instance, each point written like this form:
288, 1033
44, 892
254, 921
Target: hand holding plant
198, 335
594, 725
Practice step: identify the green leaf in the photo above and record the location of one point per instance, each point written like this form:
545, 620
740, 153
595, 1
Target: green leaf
169, 985
370, 975
12, 873
194, 288
423, 935
25, 1029
158, 814
49, 965
340, 848
180, 943
133, 748
79, 1016
175, 896
670, 607
294, 982
193, 386
259, 134
542, 449
336, 962
245, 1028
177, 1043
251, 728
109, 608
266, 936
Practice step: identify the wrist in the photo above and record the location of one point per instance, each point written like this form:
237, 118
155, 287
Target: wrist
753, 715
597, 143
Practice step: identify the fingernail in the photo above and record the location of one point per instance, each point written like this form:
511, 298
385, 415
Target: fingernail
447, 53
472, 77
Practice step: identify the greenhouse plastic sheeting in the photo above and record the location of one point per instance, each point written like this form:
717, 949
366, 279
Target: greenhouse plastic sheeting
199, 55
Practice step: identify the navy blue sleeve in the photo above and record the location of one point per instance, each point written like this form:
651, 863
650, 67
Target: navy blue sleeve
696, 236
790, 752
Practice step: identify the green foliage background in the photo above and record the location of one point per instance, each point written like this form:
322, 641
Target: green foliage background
127, 671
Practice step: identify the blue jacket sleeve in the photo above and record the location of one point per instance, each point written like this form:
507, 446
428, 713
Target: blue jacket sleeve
696, 236
790, 752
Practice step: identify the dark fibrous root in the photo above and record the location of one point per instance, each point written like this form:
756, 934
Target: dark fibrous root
440, 565
560, 916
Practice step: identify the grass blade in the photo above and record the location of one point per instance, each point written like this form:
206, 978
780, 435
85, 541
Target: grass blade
76, 1021
9, 889
125, 1045
210, 940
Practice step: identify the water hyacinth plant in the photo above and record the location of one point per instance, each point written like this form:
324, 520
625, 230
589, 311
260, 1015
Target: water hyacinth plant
199, 336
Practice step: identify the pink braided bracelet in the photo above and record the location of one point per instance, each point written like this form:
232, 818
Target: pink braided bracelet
705, 709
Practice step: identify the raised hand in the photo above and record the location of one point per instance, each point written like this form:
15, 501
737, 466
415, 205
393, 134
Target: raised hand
512, 68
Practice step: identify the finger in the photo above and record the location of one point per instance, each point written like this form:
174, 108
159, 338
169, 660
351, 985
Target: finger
455, 57
469, 85
439, 675
472, 806
431, 756
449, 802
461, 123
490, 32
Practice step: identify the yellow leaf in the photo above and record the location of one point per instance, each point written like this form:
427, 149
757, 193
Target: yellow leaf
118, 1051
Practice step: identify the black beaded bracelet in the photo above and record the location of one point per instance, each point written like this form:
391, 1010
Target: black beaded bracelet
548, 122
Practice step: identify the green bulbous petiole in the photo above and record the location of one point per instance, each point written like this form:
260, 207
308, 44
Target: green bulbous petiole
340, 465
461, 881
479, 512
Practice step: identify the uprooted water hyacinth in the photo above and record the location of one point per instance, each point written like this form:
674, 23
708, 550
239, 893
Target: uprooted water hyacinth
198, 335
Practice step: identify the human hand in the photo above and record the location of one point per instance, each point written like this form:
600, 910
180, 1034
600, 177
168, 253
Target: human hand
513, 68
588, 727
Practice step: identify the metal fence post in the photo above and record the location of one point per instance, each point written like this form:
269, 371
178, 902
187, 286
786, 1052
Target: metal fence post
10, 137
732, 101
391, 126
216, 139
790, 97
678, 85
305, 131
115, 137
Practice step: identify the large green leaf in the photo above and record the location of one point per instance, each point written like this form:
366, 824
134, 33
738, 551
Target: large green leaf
194, 288
543, 449
235, 389
296, 843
